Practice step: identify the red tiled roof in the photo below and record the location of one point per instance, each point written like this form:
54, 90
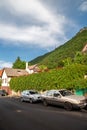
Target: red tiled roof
1, 72
32, 67
35, 68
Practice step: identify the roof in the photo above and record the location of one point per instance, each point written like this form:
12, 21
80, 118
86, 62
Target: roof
15, 72
35, 68
32, 67
1, 72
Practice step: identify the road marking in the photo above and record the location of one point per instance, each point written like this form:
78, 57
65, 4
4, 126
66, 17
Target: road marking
18, 110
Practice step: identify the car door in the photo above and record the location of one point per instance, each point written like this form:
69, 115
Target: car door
49, 97
27, 96
57, 99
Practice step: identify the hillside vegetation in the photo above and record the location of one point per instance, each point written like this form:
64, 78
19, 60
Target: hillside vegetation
70, 77
66, 68
69, 49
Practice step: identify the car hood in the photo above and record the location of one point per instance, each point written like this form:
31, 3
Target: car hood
36, 95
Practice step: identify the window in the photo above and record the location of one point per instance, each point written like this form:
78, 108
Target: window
56, 95
49, 94
65, 93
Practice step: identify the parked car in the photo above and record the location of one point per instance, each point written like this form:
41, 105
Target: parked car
3, 93
31, 96
64, 98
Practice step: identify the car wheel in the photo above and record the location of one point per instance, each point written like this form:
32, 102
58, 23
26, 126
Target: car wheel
31, 100
22, 100
68, 106
45, 103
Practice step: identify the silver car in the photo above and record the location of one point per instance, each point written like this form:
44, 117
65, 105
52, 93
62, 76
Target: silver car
31, 96
64, 98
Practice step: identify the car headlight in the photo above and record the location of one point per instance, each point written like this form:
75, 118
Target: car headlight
82, 101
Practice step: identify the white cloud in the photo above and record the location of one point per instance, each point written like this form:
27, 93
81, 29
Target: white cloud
5, 64
42, 36
52, 32
34, 8
83, 6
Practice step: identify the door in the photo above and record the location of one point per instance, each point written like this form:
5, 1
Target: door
57, 99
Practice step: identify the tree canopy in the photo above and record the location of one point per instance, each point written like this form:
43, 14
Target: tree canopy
69, 77
19, 64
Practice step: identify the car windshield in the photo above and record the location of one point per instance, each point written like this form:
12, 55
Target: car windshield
33, 92
65, 92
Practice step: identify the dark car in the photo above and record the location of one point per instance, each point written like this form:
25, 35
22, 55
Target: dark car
3, 93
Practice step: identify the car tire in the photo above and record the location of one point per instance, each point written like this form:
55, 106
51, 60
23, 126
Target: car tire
68, 106
31, 100
45, 103
22, 100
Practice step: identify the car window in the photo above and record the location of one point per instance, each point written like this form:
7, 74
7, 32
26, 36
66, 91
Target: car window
49, 93
56, 94
65, 93
33, 92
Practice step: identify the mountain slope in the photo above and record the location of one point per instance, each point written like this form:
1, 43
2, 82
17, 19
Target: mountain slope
69, 49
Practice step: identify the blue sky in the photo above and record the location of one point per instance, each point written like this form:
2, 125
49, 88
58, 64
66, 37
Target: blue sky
31, 28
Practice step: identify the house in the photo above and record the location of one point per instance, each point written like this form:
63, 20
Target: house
0, 77
1, 73
8, 73
32, 69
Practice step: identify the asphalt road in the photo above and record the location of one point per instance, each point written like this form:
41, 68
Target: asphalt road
15, 115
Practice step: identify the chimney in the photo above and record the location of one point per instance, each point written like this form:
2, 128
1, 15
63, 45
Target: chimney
26, 65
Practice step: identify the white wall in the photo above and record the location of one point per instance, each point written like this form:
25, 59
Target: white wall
5, 79
28, 70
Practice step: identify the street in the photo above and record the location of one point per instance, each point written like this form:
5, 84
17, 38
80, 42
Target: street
17, 115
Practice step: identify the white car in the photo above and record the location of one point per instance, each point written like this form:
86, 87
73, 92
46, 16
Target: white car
31, 96
64, 98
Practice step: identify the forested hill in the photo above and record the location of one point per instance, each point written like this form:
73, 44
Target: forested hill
67, 50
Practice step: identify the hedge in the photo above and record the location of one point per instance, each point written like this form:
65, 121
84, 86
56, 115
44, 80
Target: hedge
70, 77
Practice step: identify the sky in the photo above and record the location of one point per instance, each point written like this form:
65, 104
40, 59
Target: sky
31, 28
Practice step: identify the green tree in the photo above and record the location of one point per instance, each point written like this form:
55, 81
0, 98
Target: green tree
78, 57
19, 64
84, 59
43, 67
69, 77
67, 61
